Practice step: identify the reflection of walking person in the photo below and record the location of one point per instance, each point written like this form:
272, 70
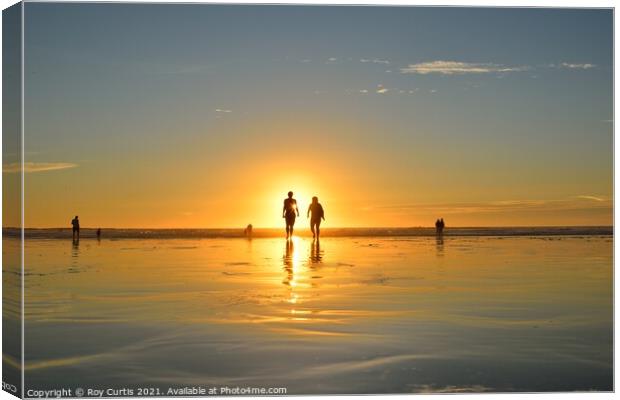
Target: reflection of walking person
316, 254
76, 228
289, 254
316, 213
289, 212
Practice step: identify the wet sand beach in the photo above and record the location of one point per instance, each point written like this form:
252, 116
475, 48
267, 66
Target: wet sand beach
351, 315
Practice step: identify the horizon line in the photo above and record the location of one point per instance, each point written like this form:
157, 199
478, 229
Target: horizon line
325, 228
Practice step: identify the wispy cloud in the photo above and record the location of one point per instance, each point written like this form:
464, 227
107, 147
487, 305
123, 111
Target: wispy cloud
593, 198
575, 66
35, 167
458, 68
381, 89
222, 110
374, 61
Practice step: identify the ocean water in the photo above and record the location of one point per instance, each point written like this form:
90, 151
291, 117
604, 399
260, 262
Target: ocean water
367, 314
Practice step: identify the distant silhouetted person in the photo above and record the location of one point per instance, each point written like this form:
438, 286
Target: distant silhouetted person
76, 228
439, 225
98, 233
316, 213
248, 231
289, 212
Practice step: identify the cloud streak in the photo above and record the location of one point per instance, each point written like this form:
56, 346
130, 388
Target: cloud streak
575, 66
458, 68
381, 89
31, 167
575, 203
374, 61
593, 198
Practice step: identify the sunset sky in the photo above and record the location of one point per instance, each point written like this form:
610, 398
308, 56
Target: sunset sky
204, 116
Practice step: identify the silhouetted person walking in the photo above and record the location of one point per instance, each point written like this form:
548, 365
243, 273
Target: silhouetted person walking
289, 212
439, 225
98, 233
248, 231
76, 228
316, 213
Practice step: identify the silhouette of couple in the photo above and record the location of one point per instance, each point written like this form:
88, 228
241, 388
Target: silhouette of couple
439, 225
290, 212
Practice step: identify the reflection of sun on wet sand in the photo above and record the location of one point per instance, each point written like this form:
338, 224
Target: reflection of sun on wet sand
348, 314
